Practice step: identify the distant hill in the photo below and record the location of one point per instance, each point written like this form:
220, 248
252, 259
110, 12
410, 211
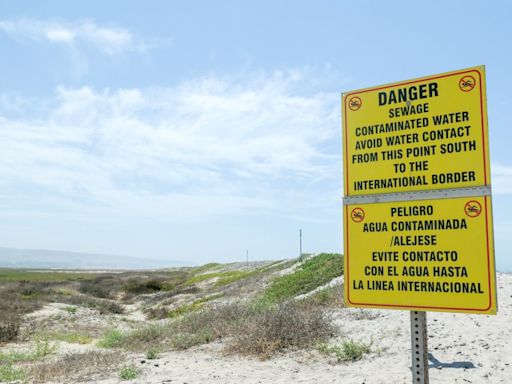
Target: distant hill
43, 258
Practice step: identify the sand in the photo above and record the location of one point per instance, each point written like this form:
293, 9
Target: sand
463, 349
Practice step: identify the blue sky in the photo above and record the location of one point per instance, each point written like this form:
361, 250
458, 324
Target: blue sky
195, 130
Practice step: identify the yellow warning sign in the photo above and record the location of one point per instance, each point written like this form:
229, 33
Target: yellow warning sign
427, 255
423, 134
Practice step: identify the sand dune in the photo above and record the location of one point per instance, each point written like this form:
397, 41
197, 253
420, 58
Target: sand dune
463, 349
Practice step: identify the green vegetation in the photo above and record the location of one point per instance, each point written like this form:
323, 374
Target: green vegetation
229, 277
71, 310
111, 339
277, 266
10, 373
224, 277
185, 309
138, 339
205, 267
313, 273
193, 307
235, 276
42, 349
349, 350
7, 274
152, 354
68, 337
8, 359
129, 372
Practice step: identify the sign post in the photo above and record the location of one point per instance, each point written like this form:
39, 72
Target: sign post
417, 200
419, 347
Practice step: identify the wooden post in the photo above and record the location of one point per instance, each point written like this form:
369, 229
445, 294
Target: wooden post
419, 348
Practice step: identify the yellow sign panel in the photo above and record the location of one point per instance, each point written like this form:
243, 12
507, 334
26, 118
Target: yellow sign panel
427, 255
423, 134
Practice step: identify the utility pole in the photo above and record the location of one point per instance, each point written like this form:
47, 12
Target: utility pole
300, 244
247, 256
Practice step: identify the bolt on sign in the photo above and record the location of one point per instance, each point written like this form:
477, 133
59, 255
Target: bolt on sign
417, 207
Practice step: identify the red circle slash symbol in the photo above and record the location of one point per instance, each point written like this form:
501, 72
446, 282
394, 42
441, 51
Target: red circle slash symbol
473, 208
357, 215
355, 103
467, 83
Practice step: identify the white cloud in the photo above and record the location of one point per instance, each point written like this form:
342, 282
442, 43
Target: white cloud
209, 146
501, 178
109, 40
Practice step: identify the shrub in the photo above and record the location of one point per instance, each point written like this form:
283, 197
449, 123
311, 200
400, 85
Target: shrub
286, 326
182, 341
138, 287
101, 286
71, 310
111, 339
249, 329
217, 322
129, 372
12, 308
157, 313
43, 349
136, 340
9, 330
349, 350
151, 354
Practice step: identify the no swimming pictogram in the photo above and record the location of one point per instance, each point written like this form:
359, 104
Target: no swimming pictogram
473, 208
467, 83
357, 215
355, 103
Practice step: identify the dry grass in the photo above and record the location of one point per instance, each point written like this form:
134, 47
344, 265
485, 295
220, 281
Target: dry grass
13, 306
103, 306
249, 330
103, 286
288, 326
23, 297
74, 367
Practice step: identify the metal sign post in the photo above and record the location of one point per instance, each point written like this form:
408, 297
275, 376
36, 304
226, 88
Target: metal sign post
419, 347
